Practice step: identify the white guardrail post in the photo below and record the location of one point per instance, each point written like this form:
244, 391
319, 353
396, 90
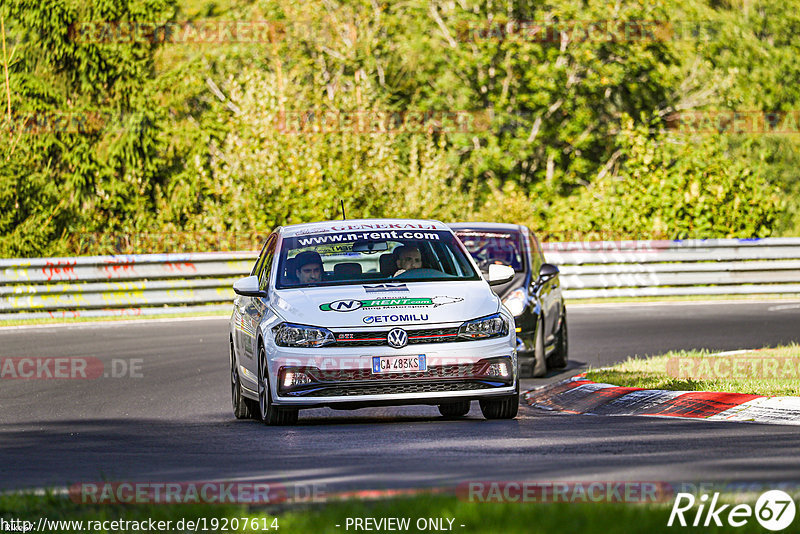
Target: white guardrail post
152, 284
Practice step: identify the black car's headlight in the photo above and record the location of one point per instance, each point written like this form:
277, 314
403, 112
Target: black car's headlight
515, 302
484, 327
298, 335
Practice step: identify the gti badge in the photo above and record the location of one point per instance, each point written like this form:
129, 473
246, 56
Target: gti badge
397, 338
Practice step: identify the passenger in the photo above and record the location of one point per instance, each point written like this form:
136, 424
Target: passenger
407, 257
309, 267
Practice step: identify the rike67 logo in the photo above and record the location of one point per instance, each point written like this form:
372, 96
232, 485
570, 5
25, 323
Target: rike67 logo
774, 510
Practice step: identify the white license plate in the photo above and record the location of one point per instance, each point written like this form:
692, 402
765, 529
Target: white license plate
399, 364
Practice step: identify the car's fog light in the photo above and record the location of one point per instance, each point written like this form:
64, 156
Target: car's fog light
497, 369
295, 378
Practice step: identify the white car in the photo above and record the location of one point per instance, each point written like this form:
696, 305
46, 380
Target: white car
356, 313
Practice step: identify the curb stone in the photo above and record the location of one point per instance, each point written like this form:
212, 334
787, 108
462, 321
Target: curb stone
578, 395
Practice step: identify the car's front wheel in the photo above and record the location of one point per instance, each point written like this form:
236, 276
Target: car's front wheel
270, 414
539, 361
503, 408
559, 358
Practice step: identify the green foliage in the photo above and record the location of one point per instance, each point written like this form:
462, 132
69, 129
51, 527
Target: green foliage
556, 101
195, 140
674, 187
100, 170
295, 145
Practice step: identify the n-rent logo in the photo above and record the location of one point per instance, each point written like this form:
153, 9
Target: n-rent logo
342, 305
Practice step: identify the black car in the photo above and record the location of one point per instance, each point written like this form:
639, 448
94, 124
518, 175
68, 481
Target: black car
533, 296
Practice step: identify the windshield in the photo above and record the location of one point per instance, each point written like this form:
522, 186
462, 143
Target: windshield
372, 257
499, 248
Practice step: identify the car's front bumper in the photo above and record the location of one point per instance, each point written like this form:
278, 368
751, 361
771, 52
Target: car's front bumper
343, 377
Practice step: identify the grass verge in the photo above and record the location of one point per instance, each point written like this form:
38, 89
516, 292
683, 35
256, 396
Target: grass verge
587, 518
769, 372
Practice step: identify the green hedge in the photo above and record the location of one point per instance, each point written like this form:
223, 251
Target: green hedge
187, 148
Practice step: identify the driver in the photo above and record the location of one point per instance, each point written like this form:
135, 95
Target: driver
407, 257
309, 267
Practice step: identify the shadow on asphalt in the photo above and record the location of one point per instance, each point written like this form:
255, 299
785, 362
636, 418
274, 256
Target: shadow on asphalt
553, 375
401, 450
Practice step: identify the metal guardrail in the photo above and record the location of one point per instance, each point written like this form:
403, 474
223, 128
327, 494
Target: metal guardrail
130, 285
674, 268
153, 284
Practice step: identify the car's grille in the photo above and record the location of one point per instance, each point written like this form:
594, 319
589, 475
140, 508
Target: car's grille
429, 386
469, 370
374, 339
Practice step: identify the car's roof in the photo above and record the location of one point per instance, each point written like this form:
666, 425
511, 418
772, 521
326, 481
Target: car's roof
360, 225
486, 226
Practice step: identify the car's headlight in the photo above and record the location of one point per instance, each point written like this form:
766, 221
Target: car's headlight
297, 335
483, 328
515, 302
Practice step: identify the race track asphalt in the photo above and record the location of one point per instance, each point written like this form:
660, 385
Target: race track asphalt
174, 422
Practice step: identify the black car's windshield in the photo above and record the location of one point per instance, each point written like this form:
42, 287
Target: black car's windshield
372, 257
489, 247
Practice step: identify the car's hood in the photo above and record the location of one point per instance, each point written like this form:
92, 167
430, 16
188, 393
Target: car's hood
373, 305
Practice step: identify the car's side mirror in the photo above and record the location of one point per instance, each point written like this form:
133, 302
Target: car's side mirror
248, 287
546, 272
500, 274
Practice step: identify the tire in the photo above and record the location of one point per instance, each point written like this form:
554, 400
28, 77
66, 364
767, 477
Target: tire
539, 361
560, 357
241, 406
268, 413
504, 408
454, 409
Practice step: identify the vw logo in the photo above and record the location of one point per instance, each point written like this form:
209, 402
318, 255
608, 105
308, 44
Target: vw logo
397, 338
